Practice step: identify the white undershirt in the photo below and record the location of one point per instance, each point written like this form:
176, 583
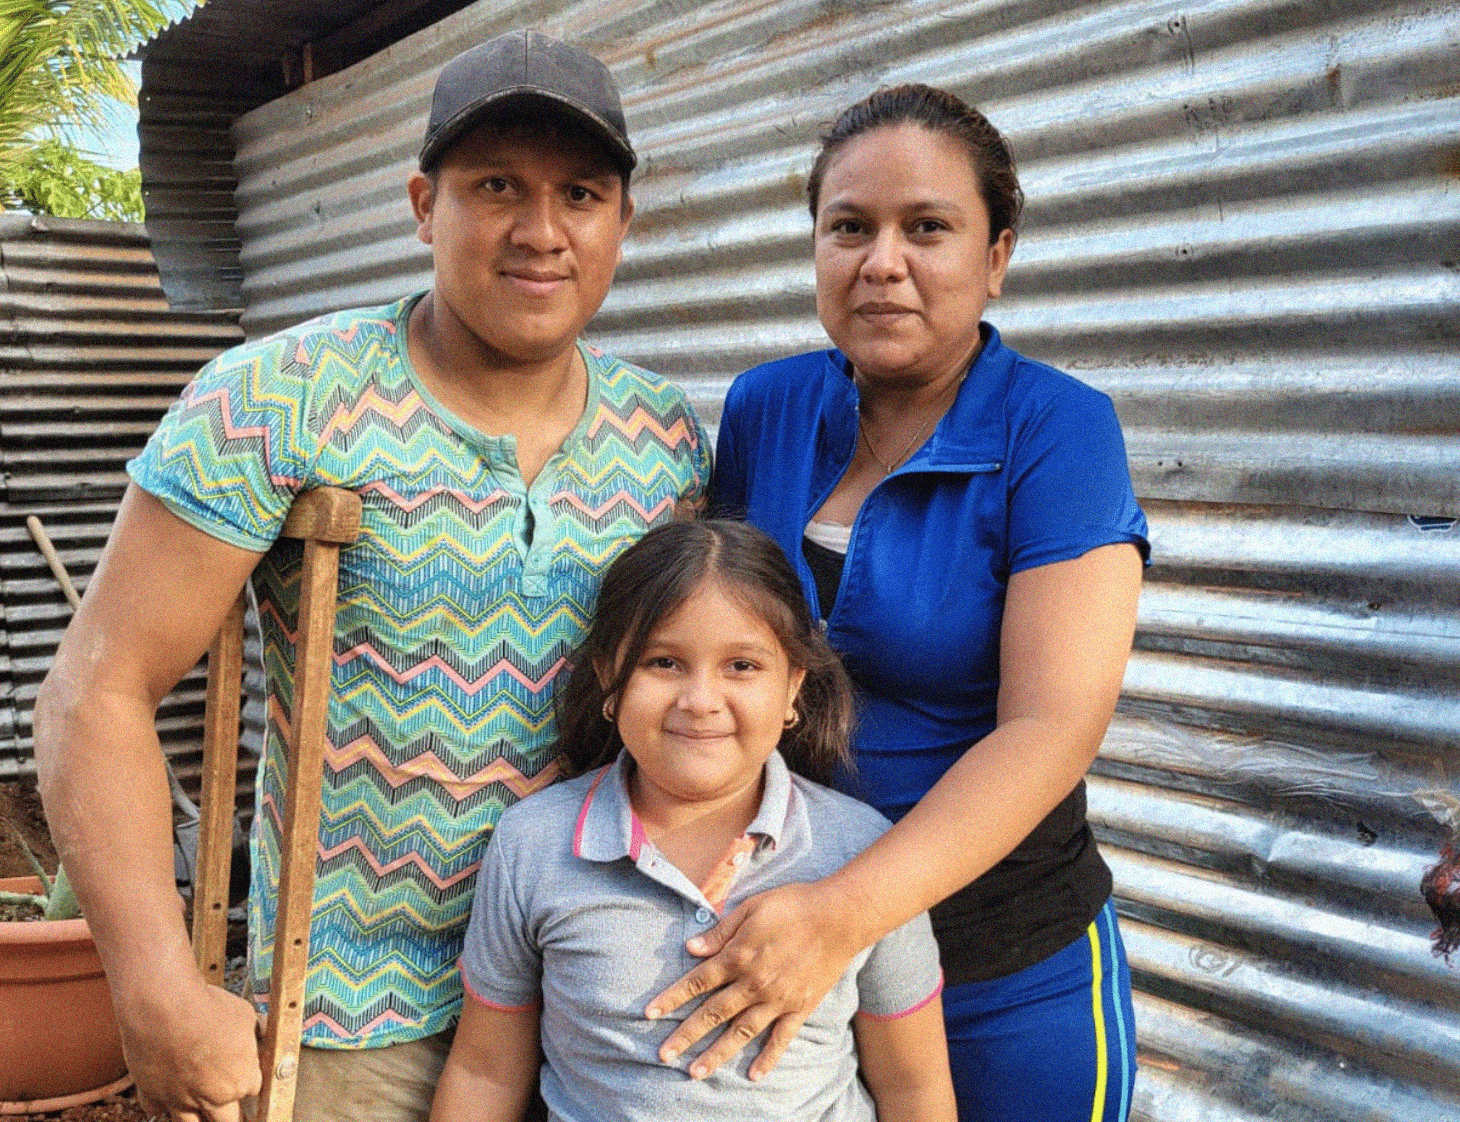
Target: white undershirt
829, 535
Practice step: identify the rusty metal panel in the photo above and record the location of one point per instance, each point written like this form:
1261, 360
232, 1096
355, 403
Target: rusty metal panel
1243, 224
205, 71
1241, 220
90, 358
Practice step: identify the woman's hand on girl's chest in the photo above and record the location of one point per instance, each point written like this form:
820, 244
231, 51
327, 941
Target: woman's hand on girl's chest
772, 959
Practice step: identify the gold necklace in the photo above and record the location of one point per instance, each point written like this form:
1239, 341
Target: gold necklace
889, 468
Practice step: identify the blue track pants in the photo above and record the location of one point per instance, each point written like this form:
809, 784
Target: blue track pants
1054, 1042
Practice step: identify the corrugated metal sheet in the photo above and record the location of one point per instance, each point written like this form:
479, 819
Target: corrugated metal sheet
201, 75
90, 358
1243, 224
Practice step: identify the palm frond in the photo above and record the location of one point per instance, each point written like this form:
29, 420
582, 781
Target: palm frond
60, 64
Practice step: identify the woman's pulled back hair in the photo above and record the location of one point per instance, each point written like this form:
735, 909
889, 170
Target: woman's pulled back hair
646, 584
938, 111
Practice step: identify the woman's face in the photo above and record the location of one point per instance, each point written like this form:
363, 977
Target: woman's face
904, 267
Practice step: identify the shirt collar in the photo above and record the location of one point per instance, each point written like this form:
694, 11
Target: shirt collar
607, 829
974, 432
771, 820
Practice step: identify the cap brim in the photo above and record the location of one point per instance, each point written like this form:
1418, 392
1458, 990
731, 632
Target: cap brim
466, 119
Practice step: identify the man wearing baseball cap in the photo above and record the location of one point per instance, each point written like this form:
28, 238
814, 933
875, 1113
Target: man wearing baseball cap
502, 464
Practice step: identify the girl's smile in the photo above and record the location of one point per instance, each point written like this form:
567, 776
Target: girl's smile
704, 707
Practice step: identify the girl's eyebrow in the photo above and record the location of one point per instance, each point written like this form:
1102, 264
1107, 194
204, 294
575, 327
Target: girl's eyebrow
736, 646
751, 646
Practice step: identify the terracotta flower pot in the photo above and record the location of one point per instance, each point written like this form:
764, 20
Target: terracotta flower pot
59, 1045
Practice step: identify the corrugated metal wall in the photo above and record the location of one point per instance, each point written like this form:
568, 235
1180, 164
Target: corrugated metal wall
90, 358
1243, 224
224, 60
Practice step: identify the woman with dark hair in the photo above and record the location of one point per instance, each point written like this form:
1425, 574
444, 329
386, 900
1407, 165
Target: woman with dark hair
962, 519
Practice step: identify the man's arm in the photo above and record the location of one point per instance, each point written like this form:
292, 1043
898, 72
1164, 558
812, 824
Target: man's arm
904, 1061
493, 1064
158, 597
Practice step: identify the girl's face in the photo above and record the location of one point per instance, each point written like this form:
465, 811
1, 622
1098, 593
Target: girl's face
904, 267
706, 704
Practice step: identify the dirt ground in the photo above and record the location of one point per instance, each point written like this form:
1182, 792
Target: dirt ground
20, 811
114, 1108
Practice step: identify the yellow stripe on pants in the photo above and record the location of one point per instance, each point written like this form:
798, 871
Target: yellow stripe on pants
1102, 1061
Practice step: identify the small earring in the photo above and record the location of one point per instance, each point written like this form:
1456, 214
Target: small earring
608, 709
792, 720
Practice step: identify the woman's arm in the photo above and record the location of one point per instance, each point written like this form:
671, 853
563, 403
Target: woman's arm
1066, 635
494, 1060
904, 1061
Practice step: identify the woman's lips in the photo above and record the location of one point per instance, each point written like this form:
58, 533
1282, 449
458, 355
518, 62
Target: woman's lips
882, 308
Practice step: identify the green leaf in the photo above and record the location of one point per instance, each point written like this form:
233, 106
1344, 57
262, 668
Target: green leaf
63, 903
51, 177
60, 64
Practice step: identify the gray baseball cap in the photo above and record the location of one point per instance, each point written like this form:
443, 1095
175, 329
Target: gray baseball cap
531, 66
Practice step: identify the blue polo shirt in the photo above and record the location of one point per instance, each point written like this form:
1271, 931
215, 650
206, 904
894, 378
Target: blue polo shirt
576, 909
1027, 468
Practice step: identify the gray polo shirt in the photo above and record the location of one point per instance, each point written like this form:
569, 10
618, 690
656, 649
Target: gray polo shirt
576, 909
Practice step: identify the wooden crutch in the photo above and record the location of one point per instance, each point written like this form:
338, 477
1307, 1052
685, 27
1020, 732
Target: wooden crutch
325, 518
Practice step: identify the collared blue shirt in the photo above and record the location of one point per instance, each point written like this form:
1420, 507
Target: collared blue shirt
577, 909
1027, 468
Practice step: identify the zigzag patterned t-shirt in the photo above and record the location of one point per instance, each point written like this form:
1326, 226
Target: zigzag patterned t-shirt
458, 607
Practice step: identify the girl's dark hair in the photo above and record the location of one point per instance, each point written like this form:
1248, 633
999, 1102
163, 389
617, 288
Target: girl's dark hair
941, 112
648, 582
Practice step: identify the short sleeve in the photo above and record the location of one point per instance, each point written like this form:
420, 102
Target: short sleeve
500, 964
234, 450
901, 973
698, 495
1069, 483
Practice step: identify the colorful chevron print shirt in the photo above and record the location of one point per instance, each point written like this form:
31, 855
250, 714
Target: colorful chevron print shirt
459, 605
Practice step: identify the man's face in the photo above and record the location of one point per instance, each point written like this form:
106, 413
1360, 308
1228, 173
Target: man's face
526, 233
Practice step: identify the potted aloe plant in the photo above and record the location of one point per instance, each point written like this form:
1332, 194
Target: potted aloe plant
59, 1045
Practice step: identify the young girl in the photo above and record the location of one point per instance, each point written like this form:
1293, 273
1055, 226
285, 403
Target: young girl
704, 665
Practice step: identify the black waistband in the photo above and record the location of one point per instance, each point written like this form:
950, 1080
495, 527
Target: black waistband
1037, 900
